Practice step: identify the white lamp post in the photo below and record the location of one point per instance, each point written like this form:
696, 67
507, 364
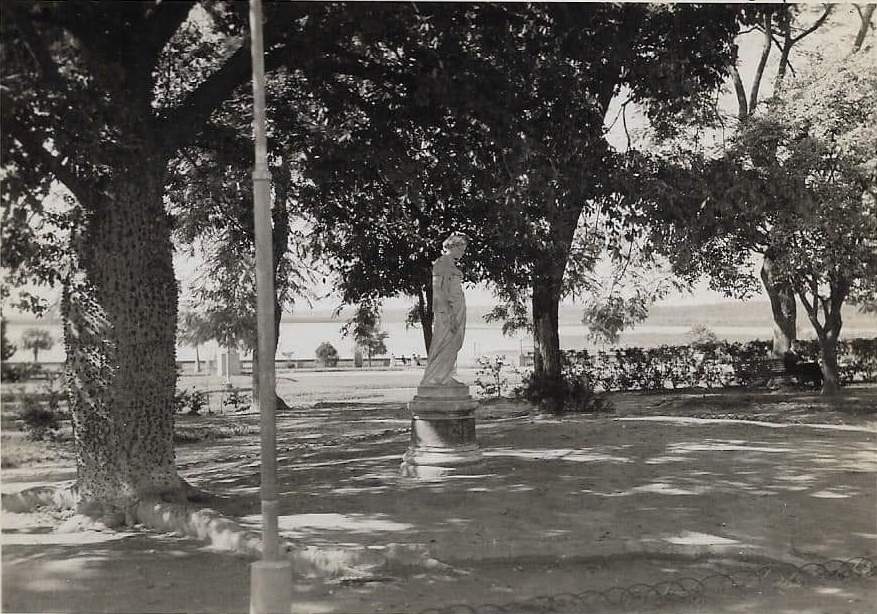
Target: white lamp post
271, 577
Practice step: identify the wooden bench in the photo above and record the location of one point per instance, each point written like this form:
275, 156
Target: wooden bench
762, 372
766, 371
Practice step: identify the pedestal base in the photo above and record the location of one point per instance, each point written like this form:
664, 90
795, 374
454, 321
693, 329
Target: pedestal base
442, 433
270, 587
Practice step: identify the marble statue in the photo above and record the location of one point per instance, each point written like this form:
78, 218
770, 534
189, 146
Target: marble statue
449, 310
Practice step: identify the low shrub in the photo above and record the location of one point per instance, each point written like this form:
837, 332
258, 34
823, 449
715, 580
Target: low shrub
40, 421
491, 377
572, 392
190, 402
20, 372
235, 401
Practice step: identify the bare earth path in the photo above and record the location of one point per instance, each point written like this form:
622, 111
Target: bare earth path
667, 486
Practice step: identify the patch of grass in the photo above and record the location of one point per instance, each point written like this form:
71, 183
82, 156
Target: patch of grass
19, 451
192, 433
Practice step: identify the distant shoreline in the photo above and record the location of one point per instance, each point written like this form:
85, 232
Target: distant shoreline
730, 313
754, 313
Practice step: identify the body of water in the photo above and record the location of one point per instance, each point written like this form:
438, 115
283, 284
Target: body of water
300, 339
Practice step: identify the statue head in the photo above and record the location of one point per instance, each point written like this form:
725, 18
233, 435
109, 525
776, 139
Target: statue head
455, 244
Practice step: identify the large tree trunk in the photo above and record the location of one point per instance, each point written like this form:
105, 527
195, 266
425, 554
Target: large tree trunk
424, 308
119, 328
278, 402
829, 331
782, 303
865, 14
830, 370
547, 290
547, 362
279, 247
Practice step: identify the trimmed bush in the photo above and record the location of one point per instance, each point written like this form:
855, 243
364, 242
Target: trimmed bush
40, 420
701, 365
572, 392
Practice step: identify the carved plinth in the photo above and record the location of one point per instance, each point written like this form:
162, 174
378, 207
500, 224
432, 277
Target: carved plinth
442, 432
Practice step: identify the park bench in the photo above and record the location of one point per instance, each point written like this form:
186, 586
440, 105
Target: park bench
765, 372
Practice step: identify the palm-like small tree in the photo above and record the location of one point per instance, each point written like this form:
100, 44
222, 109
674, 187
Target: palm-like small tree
36, 339
194, 330
365, 326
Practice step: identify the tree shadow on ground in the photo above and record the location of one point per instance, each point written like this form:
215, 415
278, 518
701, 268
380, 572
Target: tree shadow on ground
118, 573
694, 486
857, 404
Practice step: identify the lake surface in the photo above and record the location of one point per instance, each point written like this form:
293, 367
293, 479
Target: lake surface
300, 339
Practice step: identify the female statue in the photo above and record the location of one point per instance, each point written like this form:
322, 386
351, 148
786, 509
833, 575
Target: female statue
449, 314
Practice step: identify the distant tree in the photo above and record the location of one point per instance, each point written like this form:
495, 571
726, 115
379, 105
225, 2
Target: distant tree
797, 183
194, 330
702, 335
365, 329
820, 143
785, 27
36, 339
327, 355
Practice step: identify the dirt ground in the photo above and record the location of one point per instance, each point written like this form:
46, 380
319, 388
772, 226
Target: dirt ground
716, 488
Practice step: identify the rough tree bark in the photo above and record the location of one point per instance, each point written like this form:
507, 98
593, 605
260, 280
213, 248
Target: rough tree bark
120, 367
547, 361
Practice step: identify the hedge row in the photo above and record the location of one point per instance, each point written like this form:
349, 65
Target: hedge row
718, 365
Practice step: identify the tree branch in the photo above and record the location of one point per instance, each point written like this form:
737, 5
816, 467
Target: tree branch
762, 62
34, 149
815, 25
164, 20
812, 313
826, 312
183, 122
38, 49
742, 105
865, 24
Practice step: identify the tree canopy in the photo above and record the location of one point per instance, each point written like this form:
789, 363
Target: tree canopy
488, 119
796, 182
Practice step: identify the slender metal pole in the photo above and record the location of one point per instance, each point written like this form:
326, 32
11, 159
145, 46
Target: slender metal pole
271, 578
265, 293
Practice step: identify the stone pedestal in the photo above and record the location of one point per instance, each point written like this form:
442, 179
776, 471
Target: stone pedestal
228, 362
270, 587
442, 432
